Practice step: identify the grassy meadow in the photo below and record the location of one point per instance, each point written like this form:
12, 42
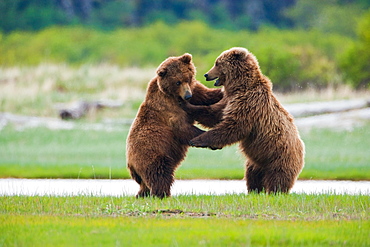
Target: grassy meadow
45, 153
80, 153
231, 220
41, 90
42, 71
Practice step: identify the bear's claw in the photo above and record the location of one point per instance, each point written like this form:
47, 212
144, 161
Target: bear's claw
198, 145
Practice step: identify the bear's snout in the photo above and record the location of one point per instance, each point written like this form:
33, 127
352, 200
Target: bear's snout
188, 95
209, 78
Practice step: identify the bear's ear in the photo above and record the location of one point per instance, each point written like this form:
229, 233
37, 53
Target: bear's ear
162, 72
186, 58
239, 53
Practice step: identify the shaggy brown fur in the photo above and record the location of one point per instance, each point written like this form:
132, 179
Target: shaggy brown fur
250, 114
160, 135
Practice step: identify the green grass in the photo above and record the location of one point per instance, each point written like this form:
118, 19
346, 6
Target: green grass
230, 220
80, 231
252, 206
43, 153
337, 154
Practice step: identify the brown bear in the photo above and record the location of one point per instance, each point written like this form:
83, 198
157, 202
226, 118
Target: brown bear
250, 114
160, 134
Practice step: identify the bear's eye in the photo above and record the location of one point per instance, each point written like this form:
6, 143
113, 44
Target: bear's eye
178, 83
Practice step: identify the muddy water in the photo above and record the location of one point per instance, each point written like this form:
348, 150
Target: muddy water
101, 187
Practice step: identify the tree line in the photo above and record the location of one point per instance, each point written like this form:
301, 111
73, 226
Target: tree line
112, 14
325, 42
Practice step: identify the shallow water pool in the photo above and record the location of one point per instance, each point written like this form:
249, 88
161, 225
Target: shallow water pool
106, 187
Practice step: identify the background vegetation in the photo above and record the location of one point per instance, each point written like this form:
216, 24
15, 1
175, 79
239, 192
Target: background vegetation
225, 14
292, 59
299, 43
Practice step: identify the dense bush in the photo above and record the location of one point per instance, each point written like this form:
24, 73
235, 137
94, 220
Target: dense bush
292, 59
356, 61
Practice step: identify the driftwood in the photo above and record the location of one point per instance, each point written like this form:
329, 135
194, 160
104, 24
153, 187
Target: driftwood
344, 115
337, 120
81, 108
318, 108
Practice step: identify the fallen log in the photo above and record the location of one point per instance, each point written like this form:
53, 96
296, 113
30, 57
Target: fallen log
23, 122
337, 120
79, 109
318, 108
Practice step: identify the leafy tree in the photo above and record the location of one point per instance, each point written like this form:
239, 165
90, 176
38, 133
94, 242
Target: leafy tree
29, 15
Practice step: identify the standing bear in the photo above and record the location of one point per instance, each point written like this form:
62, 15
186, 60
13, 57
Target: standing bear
160, 134
250, 114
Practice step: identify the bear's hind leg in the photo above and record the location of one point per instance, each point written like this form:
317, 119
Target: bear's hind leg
162, 189
161, 177
144, 190
254, 176
278, 181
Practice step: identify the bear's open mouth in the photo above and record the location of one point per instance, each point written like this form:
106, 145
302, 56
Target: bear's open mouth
217, 82
210, 79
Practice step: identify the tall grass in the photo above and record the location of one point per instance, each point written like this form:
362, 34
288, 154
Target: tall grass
40, 90
81, 231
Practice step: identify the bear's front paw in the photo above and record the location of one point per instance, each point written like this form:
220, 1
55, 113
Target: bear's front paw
181, 102
195, 143
184, 104
215, 148
191, 143
199, 132
187, 107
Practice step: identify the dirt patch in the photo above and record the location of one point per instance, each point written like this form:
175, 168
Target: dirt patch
171, 213
174, 212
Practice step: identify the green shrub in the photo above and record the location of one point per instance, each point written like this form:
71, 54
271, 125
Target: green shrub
292, 59
355, 63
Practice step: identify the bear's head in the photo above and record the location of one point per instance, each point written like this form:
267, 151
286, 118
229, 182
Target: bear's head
231, 64
176, 75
